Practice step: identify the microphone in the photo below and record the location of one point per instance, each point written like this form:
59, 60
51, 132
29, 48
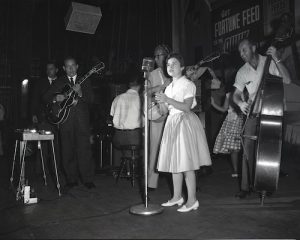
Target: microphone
148, 64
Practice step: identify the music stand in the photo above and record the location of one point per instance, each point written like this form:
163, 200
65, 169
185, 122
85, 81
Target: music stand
146, 209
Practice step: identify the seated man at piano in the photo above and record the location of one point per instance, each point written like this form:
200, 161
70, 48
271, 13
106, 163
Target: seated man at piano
126, 113
75, 129
248, 78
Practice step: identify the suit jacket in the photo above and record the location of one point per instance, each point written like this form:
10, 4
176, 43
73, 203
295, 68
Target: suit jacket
83, 102
38, 104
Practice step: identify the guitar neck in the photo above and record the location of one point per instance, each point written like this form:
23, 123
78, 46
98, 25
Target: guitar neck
208, 59
83, 78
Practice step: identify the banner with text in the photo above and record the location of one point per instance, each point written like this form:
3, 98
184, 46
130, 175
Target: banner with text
236, 21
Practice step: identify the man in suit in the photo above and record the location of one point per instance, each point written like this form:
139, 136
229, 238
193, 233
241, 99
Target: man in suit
41, 87
75, 130
39, 119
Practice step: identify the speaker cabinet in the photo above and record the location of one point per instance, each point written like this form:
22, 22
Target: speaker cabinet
83, 18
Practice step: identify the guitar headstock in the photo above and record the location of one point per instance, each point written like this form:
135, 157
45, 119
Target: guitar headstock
98, 68
210, 58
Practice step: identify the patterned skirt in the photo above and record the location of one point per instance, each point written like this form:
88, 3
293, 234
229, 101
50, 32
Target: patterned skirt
183, 145
229, 139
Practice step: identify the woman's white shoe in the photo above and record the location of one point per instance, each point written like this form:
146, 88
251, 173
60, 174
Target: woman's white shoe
170, 204
185, 209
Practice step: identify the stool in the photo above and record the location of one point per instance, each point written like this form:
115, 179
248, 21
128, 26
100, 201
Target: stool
132, 159
22, 137
104, 148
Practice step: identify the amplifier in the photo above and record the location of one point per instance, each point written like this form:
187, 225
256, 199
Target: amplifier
33, 135
83, 18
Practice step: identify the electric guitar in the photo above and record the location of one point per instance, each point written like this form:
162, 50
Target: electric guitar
58, 112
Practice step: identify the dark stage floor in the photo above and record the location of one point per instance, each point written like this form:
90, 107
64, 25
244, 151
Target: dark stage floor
104, 212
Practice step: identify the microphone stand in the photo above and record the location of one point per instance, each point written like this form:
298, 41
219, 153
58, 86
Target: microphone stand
146, 209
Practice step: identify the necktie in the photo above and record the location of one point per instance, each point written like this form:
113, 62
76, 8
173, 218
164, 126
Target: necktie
71, 81
51, 80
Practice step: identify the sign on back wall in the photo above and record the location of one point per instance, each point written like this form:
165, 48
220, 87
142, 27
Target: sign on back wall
236, 21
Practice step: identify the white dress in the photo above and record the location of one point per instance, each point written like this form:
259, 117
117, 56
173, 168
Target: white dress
184, 145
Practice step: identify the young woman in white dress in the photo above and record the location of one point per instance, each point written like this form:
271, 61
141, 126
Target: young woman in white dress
184, 146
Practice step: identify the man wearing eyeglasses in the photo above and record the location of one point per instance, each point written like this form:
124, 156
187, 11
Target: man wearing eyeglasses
158, 82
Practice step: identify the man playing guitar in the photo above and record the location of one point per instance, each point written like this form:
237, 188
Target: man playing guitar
75, 130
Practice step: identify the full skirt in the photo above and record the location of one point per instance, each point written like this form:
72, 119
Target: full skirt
229, 137
184, 145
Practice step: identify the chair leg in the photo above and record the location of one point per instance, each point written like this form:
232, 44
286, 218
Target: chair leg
123, 162
43, 163
132, 171
14, 162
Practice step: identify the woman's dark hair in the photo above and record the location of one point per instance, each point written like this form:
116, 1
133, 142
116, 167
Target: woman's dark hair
177, 56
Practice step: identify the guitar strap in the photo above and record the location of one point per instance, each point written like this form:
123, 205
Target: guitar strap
161, 77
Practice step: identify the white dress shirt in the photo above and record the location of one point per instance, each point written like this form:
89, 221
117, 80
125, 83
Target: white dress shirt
126, 110
51, 80
249, 78
74, 78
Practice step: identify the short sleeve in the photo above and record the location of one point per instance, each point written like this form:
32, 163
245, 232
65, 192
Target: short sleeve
168, 91
240, 81
190, 90
113, 107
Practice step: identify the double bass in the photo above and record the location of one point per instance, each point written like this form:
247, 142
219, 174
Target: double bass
268, 135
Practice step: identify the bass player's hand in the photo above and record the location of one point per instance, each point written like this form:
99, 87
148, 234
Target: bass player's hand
244, 106
272, 51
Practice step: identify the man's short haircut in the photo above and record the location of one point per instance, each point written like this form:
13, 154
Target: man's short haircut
52, 62
69, 58
249, 40
134, 77
134, 80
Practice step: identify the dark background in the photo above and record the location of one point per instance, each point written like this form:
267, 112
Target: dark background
33, 31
